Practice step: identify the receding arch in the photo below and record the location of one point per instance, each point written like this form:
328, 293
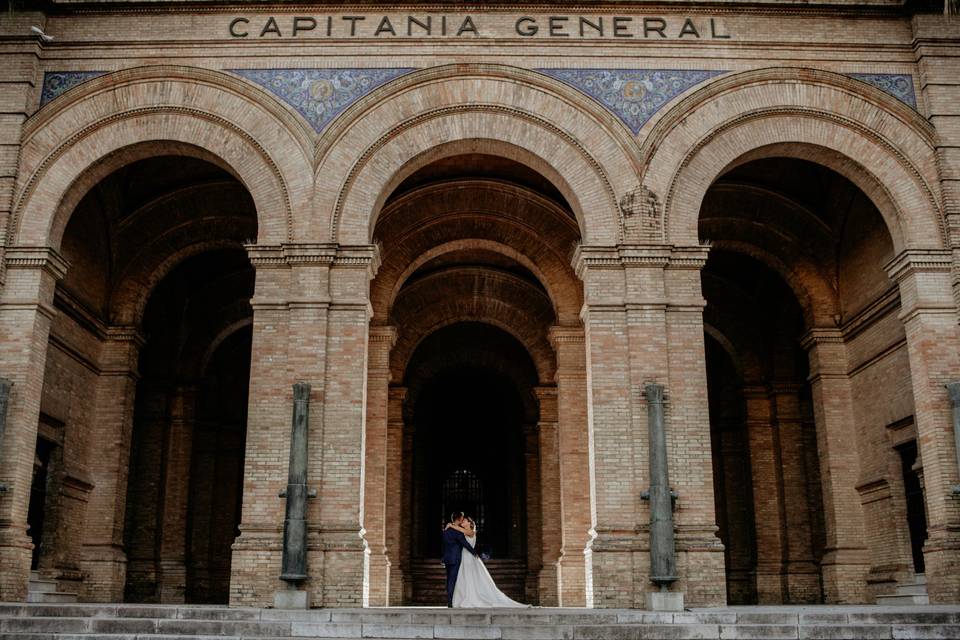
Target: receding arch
487, 108
137, 113
477, 215
879, 144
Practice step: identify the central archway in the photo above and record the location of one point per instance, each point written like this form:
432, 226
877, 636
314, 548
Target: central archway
463, 380
471, 405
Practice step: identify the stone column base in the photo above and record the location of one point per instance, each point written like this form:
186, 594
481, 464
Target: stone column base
172, 581
845, 576
395, 595
105, 573
15, 554
941, 555
618, 575
255, 569
549, 585
571, 580
803, 583
379, 580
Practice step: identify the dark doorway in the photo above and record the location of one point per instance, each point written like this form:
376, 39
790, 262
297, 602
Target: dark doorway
916, 512
469, 452
38, 497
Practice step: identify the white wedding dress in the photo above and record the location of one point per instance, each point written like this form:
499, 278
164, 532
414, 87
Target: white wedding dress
475, 587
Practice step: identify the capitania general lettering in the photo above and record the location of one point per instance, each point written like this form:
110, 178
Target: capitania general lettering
470, 26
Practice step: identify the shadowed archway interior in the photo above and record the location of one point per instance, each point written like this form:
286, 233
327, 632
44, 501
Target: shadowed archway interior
156, 301
471, 388
475, 271
806, 363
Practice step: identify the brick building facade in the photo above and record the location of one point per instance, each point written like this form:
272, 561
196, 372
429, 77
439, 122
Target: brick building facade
477, 232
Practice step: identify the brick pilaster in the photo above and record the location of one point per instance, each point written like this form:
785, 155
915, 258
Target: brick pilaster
573, 454
25, 315
395, 493
550, 497
930, 319
178, 449
382, 339
104, 559
845, 562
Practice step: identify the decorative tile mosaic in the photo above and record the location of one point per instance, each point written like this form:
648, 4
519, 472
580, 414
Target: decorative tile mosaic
633, 95
57, 82
320, 95
899, 85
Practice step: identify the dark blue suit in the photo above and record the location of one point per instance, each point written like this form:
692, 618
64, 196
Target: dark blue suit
453, 542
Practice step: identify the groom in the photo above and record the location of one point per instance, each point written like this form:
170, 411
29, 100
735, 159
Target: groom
453, 541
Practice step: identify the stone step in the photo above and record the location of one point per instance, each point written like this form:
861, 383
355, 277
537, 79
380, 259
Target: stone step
903, 599
139, 622
51, 596
911, 590
41, 584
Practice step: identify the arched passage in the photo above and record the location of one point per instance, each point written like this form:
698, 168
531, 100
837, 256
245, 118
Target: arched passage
810, 386
472, 407
475, 274
139, 375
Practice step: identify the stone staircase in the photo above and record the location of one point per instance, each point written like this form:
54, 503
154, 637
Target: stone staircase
135, 622
40, 589
915, 593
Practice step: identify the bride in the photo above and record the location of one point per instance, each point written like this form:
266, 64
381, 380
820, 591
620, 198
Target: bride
474, 586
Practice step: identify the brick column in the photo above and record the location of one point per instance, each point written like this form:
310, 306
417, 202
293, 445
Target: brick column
573, 459
533, 503
178, 448
104, 559
845, 562
395, 493
550, 500
700, 562
382, 340
801, 574
255, 567
767, 495
929, 316
624, 315
26, 312
337, 441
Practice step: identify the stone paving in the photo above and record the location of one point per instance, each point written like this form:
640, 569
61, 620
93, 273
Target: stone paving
132, 622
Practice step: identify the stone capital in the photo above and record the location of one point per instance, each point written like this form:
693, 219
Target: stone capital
320, 254
45, 258
383, 334
821, 336
914, 261
560, 336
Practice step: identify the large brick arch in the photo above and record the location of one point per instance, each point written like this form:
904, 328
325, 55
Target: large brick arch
494, 109
119, 118
878, 143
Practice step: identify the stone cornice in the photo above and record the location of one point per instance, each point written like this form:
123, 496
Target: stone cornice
565, 335
913, 261
383, 334
37, 258
821, 335
320, 254
639, 255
